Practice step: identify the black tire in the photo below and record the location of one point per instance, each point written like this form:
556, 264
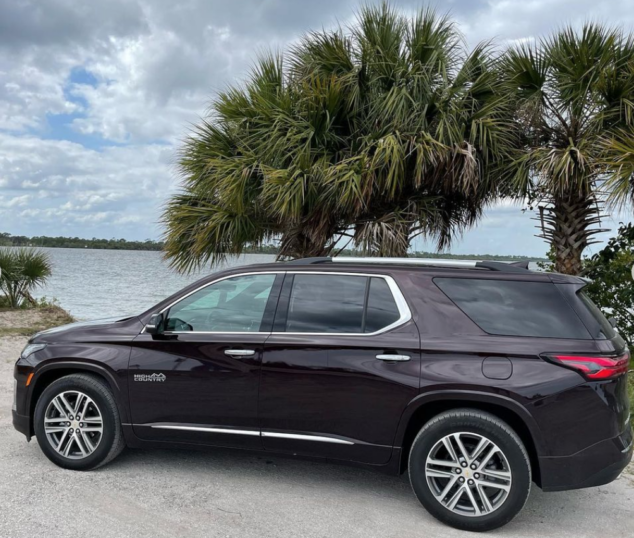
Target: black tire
470, 421
111, 442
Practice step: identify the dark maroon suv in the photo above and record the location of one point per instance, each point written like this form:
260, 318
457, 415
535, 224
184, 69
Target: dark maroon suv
477, 378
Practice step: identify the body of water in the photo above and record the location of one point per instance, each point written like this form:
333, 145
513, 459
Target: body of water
93, 284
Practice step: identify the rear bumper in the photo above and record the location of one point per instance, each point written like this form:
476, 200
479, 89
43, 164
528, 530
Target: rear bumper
595, 466
22, 424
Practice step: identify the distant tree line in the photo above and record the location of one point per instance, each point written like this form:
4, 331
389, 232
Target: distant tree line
8, 240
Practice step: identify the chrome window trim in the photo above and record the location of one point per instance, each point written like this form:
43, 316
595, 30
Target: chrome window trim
397, 295
399, 299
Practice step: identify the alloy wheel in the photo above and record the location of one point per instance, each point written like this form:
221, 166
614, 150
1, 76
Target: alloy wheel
468, 474
73, 424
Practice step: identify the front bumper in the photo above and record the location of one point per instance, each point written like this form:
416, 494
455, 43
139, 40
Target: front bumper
22, 424
595, 466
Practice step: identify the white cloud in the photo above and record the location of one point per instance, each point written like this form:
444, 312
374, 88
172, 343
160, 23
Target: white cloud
149, 69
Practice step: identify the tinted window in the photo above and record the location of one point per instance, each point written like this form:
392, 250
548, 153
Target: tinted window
326, 304
382, 309
514, 308
606, 329
232, 305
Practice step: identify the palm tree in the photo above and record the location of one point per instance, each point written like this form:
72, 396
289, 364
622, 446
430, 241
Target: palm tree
22, 270
575, 100
374, 135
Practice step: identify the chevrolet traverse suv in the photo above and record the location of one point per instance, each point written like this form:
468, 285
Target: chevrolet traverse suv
476, 378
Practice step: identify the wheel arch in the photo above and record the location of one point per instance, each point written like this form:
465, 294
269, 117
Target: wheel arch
48, 373
426, 406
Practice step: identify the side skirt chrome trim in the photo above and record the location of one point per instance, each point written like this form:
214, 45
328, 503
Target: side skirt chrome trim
307, 438
200, 429
207, 429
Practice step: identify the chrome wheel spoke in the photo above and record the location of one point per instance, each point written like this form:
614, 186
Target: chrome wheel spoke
444, 463
495, 485
55, 429
450, 449
463, 451
468, 474
437, 473
486, 503
473, 502
69, 409
494, 473
450, 484
451, 503
60, 408
482, 445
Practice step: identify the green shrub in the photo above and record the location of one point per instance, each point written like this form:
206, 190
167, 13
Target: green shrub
22, 270
612, 288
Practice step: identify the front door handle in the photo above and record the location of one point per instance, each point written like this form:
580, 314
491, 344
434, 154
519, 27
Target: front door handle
239, 353
393, 358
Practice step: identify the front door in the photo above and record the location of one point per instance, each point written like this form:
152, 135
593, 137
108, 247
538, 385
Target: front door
197, 382
340, 367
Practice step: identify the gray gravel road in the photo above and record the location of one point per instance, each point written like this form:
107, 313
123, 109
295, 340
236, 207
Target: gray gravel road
228, 493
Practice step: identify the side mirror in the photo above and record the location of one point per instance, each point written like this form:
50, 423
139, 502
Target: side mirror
612, 322
155, 325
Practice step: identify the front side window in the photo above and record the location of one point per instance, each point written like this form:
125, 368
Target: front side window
232, 305
340, 304
513, 308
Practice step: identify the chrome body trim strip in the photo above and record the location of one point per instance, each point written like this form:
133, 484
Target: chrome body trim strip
300, 437
200, 429
210, 429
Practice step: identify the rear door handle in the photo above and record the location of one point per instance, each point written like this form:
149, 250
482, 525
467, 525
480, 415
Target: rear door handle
239, 353
394, 358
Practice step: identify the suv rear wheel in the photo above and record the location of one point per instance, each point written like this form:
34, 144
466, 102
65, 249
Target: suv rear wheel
77, 423
470, 470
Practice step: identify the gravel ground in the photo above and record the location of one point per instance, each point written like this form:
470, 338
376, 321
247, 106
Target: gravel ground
229, 493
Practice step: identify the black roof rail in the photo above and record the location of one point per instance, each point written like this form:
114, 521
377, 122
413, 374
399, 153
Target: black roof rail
515, 267
309, 261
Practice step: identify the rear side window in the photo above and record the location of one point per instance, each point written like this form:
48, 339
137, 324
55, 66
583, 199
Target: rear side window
326, 304
340, 304
605, 328
512, 308
382, 309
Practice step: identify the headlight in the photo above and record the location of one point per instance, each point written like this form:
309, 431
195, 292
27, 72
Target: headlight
30, 349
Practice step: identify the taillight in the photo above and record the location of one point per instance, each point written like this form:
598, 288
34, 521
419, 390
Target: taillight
593, 367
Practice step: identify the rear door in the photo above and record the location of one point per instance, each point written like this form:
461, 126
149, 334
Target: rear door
339, 368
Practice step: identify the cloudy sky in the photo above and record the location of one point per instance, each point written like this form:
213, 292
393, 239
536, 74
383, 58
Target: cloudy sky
95, 97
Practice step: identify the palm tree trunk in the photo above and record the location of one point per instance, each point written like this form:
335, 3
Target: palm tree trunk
568, 224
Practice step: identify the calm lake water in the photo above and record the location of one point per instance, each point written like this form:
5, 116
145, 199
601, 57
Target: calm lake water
93, 284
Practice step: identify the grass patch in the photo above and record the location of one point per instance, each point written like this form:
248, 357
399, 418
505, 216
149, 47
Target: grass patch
26, 322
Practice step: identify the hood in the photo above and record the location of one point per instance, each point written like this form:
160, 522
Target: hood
118, 327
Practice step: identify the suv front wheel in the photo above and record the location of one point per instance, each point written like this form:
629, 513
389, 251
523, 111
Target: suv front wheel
470, 470
77, 423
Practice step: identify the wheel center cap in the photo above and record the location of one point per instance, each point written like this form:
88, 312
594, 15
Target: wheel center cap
467, 473
74, 424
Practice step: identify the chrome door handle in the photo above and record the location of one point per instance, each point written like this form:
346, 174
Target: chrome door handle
394, 358
239, 352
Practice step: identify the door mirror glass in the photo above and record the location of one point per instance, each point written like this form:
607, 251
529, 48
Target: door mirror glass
154, 326
234, 304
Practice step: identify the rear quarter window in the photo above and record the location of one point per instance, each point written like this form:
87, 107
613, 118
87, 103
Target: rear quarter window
515, 308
